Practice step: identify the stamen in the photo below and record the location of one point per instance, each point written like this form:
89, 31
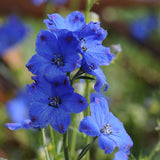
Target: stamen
54, 101
82, 45
106, 129
84, 48
58, 61
91, 66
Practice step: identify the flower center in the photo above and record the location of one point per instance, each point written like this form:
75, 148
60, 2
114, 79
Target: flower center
82, 45
58, 60
54, 101
106, 129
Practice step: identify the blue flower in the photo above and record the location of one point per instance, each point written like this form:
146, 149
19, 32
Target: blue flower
55, 2
17, 110
98, 73
11, 32
106, 126
55, 56
53, 102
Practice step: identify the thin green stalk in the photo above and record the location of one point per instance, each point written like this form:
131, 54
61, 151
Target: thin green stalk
74, 136
87, 112
65, 145
43, 141
87, 10
86, 149
52, 141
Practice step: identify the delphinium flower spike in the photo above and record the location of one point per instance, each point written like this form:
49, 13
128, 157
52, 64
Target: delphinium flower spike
107, 127
91, 35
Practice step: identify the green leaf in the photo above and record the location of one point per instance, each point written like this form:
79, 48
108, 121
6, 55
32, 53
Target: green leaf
86, 148
85, 77
84, 151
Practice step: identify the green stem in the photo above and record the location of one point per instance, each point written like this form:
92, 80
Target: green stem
86, 149
43, 140
74, 136
52, 141
65, 145
87, 11
87, 112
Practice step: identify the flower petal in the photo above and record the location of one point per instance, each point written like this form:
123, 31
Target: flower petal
93, 31
38, 114
59, 120
74, 103
98, 55
47, 44
55, 22
75, 20
99, 109
119, 135
106, 144
13, 126
37, 65
89, 127
120, 156
69, 50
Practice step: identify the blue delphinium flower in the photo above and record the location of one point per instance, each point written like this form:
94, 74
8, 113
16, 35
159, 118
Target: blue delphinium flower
106, 126
11, 32
55, 55
98, 73
17, 110
90, 36
55, 2
53, 102
142, 28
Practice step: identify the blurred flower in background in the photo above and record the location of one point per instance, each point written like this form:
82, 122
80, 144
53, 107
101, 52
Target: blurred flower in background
55, 2
12, 32
17, 110
143, 27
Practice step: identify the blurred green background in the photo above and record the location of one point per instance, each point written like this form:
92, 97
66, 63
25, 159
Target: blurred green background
133, 77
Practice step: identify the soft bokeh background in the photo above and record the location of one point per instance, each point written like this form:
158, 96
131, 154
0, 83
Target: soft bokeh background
134, 76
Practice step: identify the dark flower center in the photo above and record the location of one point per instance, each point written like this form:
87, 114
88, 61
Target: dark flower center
106, 129
92, 67
58, 60
82, 45
54, 101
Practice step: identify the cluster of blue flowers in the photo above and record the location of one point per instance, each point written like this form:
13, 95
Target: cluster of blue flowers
55, 2
11, 32
72, 45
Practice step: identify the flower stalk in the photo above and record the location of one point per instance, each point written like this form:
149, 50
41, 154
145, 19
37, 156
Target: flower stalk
65, 145
43, 141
